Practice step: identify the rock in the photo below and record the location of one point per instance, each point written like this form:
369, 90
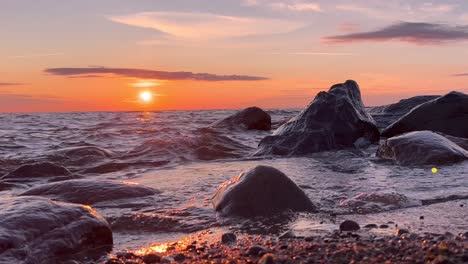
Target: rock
249, 118
179, 257
38, 230
151, 258
373, 202
447, 114
370, 226
402, 231
334, 120
261, 191
287, 234
387, 114
420, 148
383, 226
349, 225
38, 170
256, 250
89, 191
82, 151
267, 259
227, 238
462, 142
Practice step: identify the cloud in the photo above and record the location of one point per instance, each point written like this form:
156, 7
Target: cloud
315, 53
415, 33
35, 55
460, 75
10, 84
150, 74
297, 6
206, 25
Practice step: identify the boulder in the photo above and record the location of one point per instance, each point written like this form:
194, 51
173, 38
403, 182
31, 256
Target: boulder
447, 114
38, 170
261, 191
420, 148
387, 114
38, 230
249, 118
334, 120
89, 191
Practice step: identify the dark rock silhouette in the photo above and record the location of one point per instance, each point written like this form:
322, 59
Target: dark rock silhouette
387, 114
447, 114
249, 118
82, 151
38, 230
349, 225
89, 191
261, 191
334, 120
421, 147
38, 170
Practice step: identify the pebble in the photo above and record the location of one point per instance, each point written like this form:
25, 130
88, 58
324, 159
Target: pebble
349, 225
287, 234
402, 231
256, 250
151, 258
421, 217
383, 226
227, 238
179, 257
267, 259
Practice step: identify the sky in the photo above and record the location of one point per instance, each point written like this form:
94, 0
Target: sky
88, 55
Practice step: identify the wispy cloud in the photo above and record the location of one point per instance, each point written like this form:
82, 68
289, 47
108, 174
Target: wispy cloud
297, 6
460, 74
415, 33
315, 53
10, 84
150, 74
35, 55
206, 25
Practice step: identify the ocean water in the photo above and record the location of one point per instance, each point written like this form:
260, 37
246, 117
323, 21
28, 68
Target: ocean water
174, 152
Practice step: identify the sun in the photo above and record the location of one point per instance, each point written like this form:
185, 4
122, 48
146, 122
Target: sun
146, 96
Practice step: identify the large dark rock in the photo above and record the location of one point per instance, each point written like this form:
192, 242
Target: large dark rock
447, 114
89, 191
334, 120
421, 147
38, 170
387, 114
261, 191
249, 118
38, 230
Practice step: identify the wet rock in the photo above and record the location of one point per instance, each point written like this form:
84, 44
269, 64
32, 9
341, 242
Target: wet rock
267, 259
420, 148
370, 226
179, 257
38, 170
38, 230
383, 226
151, 258
349, 225
89, 191
334, 120
249, 118
447, 114
227, 238
82, 151
387, 114
263, 191
421, 217
374, 202
287, 234
257, 250
402, 231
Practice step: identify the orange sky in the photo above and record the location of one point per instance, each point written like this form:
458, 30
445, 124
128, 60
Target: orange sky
283, 51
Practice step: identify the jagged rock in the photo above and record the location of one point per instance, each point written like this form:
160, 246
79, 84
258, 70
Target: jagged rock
387, 114
421, 147
262, 190
38, 230
447, 114
334, 120
249, 118
89, 191
38, 170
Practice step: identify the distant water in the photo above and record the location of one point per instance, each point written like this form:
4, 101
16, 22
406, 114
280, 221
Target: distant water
174, 152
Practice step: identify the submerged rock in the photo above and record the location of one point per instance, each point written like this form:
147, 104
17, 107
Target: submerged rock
89, 191
447, 114
249, 118
334, 120
38, 170
387, 114
261, 191
420, 148
38, 230
82, 151
349, 225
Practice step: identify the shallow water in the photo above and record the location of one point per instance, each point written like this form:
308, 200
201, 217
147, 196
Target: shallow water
173, 152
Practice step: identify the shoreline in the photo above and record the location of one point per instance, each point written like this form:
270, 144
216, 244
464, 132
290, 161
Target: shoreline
335, 247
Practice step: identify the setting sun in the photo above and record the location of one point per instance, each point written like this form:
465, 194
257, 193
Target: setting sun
146, 96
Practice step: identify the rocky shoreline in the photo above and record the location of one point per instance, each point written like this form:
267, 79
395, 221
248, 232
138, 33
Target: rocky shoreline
335, 247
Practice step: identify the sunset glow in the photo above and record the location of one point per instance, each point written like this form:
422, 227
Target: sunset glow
226, 54
146, 96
